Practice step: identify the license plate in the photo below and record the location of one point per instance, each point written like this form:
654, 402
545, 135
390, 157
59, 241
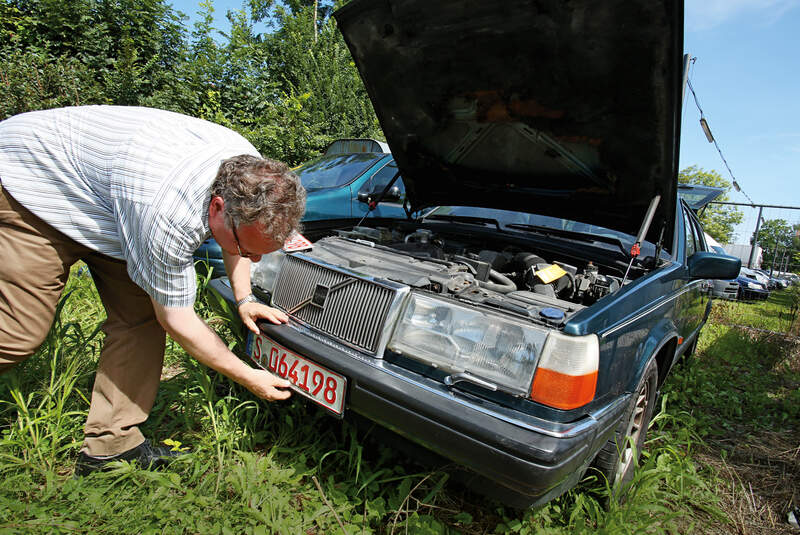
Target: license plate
307, 378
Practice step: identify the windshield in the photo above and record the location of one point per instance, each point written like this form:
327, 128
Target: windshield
335, 170
506, 218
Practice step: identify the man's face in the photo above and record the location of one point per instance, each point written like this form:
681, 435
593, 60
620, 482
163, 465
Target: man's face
248, 241
252, 242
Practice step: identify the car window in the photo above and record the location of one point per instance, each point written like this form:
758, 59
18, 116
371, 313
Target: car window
691, 239
699, 234
378, 181
335, 170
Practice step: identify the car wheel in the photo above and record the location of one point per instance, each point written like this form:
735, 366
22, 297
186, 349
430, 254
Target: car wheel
618, 458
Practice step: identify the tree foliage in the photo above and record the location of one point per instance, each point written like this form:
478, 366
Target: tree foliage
717, 219
778, 240
290, 91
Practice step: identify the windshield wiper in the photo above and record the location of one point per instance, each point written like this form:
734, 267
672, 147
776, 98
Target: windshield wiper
550, 231
483, 221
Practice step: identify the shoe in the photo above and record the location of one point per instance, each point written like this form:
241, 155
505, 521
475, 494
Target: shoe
148, 456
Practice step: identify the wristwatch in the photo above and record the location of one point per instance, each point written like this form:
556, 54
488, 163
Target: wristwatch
246, 299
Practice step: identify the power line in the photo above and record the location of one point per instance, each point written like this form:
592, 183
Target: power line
711, 139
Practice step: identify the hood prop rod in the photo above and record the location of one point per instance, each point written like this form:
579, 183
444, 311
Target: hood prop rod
373, 203
648, 218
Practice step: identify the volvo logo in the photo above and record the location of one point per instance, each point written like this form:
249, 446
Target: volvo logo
319, 296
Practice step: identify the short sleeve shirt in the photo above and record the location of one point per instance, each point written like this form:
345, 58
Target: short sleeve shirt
128, 182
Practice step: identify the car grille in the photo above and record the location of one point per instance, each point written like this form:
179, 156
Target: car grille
351, 309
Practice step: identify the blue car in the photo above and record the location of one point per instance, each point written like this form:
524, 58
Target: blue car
523, 326
344, 183
751, 288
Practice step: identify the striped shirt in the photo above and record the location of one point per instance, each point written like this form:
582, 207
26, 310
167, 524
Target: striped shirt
131, 183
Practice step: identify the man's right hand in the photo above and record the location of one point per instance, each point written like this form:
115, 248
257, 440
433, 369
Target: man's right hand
267, 386
186, 328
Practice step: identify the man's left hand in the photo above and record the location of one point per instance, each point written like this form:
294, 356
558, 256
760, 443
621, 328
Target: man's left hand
250, 312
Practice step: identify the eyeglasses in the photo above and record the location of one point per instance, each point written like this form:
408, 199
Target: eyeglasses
239, 247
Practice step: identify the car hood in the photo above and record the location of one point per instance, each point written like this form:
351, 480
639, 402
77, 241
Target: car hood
570, 109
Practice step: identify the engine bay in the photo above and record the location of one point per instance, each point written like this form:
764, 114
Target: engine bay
509, 278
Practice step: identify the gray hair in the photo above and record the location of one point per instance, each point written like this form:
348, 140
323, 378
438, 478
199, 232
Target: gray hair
263, 191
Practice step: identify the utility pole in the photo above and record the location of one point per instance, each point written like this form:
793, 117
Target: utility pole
755, 238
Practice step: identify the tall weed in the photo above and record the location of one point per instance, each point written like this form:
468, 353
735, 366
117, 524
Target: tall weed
289, 468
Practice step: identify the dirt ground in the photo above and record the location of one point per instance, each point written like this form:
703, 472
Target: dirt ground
762, 482
761, 471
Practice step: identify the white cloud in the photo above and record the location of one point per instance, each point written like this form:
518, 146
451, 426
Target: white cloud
706, 14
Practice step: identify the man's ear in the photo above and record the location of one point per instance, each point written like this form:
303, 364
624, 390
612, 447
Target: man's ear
216, 207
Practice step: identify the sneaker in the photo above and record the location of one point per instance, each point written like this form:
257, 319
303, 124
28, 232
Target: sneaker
148, 456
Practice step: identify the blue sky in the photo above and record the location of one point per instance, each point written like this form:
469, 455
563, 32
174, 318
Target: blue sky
747, 80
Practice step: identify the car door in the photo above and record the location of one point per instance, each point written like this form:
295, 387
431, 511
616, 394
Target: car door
696, 295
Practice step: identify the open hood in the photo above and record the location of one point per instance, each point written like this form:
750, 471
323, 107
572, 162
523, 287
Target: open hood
562, 108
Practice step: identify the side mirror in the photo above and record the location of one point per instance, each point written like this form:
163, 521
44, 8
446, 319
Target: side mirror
393, 195
708, 265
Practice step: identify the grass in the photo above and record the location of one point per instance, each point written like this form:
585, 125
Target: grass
721, 457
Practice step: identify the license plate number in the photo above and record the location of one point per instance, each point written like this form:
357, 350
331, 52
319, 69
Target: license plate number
307, 378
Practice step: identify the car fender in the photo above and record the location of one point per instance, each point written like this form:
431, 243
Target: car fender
654, 344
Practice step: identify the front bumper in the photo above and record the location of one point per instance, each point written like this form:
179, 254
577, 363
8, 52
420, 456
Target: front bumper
749, 294
533, 458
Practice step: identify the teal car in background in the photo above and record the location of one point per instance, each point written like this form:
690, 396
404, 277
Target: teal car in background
342, 184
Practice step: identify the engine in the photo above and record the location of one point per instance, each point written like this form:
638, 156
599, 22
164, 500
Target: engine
507, 278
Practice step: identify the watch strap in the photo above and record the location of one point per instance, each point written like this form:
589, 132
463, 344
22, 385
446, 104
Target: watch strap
249, 298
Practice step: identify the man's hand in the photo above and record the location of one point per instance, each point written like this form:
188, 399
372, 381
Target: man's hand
266, 386
250, 312
186, 328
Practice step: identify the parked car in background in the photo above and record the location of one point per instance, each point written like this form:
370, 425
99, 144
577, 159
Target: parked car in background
774, 282
722, 289
757, 275
342, 184
523, 326
750, 287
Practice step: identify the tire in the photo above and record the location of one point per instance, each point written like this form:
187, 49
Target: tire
618, 458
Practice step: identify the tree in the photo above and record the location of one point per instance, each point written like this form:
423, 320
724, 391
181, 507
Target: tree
131, 51
290, 91
34, 80
718, 220
777, 238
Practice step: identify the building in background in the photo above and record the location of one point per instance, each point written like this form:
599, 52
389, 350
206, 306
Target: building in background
742, 251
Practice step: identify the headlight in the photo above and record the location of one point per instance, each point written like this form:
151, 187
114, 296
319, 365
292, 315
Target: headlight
459, 339
264, 272
754, 285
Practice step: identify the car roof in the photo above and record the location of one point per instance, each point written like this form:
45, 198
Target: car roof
352, 145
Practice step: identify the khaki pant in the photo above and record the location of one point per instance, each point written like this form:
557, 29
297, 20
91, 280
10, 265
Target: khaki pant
34, 266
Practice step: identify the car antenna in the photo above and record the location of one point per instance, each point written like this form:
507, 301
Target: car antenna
373, 203
635, 248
